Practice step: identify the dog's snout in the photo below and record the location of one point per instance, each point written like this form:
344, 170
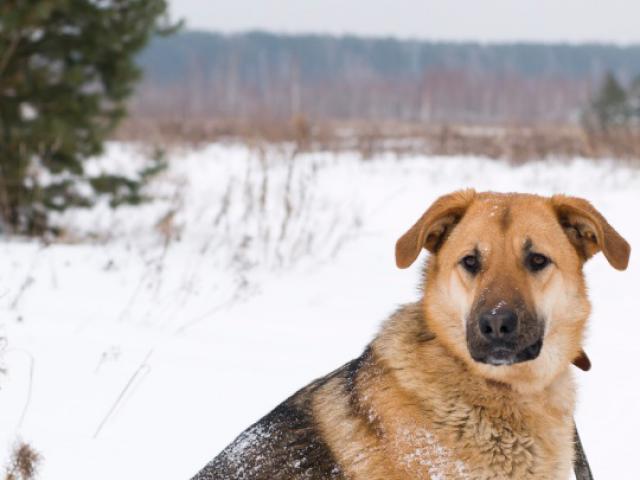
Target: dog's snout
504, 335
499, 325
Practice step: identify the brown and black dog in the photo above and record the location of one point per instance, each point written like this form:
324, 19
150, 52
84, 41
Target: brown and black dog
472, 382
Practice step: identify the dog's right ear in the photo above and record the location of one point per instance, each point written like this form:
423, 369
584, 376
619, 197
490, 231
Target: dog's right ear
433, 227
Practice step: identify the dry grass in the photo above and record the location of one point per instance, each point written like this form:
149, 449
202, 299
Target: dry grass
23, 464
198, 131
514, 143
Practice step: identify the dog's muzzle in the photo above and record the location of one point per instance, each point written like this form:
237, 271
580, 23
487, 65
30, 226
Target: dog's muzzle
504, 337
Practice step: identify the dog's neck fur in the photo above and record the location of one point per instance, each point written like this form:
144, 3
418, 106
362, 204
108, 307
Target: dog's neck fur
512, 432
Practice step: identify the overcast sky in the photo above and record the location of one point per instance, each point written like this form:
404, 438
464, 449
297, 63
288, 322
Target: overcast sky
483, 20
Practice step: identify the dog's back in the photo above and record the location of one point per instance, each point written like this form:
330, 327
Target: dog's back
285, 444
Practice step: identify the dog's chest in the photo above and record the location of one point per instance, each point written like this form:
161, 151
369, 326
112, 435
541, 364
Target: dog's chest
474, 442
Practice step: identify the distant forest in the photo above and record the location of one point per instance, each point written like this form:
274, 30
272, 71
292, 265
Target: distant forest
267, 76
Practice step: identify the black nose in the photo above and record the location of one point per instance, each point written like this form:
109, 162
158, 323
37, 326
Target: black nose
499, 325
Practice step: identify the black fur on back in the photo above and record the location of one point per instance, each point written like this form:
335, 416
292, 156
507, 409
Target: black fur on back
284, 445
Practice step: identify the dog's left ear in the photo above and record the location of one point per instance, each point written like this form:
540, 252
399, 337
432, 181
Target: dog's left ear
433, 227
589, 231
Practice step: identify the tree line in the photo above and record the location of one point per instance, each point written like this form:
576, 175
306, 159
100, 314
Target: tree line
260, 74
69, 67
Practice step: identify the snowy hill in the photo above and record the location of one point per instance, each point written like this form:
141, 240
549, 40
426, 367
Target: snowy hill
149, 340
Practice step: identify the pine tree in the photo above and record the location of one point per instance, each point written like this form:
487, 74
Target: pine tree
633, 101
610, 106
66, 70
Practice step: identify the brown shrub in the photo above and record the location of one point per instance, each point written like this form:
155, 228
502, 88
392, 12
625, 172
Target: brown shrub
23, 464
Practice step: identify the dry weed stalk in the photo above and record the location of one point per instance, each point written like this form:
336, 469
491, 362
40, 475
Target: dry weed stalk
24, 463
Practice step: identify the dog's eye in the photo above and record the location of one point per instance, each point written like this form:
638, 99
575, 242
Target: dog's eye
471, 263
536, 262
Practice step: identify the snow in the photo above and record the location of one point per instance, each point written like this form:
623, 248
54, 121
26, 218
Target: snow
28, 112
154, 335
498, 306
429, 455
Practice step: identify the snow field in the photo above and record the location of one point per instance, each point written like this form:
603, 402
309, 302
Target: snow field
156, 334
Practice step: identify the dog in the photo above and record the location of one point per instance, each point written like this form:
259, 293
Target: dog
471, 382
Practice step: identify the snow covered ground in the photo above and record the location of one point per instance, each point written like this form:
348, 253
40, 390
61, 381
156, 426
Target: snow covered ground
148, 341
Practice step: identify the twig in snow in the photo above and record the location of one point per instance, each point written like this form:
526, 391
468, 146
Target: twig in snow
142, 370
32, 363
288, 204
132, 299
28, 281
202, 317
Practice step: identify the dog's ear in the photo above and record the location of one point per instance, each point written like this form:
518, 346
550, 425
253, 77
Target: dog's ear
433, 227
589, 231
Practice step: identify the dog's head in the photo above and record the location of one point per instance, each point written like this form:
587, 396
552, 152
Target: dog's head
504, 285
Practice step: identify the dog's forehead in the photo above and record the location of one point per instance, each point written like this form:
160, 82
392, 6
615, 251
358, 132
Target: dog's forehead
494, 200
525, 216
507, 208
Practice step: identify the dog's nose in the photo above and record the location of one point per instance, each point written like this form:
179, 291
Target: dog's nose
499, 325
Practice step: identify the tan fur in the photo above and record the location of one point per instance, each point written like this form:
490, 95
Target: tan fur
416, 405
419, 407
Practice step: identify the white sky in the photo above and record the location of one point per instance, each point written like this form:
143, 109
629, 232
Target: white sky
483, 20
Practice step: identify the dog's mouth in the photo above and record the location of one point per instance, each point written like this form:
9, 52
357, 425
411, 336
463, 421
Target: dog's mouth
501, 355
